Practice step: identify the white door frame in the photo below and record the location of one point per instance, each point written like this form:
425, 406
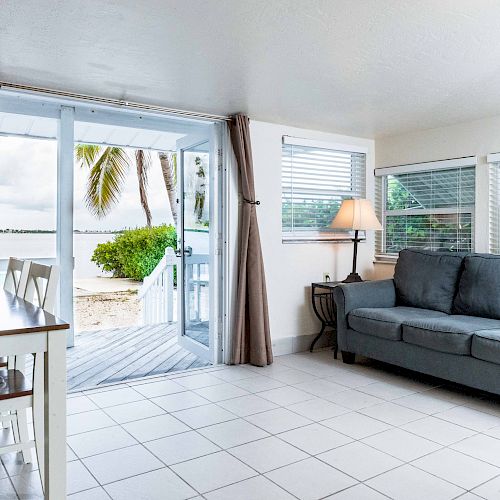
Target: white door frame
212, 353
66, 111
64, 228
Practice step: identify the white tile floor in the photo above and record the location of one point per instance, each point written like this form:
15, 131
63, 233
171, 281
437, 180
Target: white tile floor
307, 427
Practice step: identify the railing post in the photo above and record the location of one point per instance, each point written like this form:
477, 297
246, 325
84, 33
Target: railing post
169, 292
145, 303
198, 293
188, 287
169, 288
157, 291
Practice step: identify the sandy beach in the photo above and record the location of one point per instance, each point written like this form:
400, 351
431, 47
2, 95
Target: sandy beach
102, 303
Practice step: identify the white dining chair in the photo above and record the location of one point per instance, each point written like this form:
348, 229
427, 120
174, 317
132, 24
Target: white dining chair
16, 279
17, 396
41, 286
16, 276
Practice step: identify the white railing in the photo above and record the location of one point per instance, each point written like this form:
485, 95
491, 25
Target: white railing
157, 293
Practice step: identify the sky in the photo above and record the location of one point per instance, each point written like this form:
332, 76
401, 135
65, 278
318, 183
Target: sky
28, 186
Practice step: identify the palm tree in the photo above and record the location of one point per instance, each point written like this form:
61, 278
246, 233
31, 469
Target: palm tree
143, 161
168, 162
108, 167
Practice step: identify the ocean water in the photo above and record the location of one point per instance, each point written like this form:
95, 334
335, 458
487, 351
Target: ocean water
33, 246
37, 246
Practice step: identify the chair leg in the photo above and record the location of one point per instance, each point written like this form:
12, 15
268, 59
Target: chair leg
15, 427
22, 425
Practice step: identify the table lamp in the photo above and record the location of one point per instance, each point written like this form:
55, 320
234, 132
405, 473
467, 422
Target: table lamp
357, 215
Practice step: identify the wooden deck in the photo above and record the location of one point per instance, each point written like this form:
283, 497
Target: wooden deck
105, 356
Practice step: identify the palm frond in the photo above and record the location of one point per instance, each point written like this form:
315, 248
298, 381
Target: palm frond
143, 163
86, 154
108, 169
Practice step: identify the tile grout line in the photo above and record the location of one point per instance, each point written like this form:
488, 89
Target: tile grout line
158, 378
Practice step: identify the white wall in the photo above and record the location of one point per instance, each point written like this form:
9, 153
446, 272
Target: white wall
290, 268
475, 138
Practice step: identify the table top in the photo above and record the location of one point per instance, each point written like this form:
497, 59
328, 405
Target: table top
326, 284
19, 316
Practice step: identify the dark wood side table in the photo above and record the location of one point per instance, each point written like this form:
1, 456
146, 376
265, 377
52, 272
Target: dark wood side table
324, 308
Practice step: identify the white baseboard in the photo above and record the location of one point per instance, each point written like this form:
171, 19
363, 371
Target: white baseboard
290, 345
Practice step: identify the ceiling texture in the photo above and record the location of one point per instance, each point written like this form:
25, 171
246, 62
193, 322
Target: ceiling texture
368, 68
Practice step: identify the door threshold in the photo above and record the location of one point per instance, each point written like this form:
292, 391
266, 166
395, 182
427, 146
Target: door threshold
148, 378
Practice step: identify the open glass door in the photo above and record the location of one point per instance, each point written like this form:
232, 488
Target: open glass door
197, 272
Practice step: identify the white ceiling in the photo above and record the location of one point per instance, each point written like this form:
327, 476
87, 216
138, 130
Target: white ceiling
361, 67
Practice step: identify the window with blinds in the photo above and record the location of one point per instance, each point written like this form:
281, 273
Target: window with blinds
494, 202
315, 180
430, 208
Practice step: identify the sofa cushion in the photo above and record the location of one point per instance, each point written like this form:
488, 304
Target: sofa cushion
452, 334
427, 279
478, 291
385, 322
486, 346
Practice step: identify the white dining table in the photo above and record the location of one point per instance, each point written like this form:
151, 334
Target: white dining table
26, 329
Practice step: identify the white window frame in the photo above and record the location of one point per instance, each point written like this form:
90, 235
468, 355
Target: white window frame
381, 197
322, 236
493, 161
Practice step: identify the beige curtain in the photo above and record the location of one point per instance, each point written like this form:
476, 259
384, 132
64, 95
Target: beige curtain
251, 340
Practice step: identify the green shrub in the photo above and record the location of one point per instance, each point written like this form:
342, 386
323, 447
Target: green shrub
135, 252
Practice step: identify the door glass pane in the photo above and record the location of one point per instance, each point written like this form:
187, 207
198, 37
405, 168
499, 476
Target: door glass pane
196, 236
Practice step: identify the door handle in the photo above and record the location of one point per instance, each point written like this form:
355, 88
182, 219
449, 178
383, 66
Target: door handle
188, 251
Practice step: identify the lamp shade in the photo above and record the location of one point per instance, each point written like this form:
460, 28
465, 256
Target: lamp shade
357, 215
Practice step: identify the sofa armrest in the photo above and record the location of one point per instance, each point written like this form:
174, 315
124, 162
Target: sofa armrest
350, 296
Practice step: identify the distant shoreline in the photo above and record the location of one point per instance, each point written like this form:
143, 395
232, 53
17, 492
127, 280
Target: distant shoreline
42, 231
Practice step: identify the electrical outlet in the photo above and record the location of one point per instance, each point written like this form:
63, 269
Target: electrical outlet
326, 276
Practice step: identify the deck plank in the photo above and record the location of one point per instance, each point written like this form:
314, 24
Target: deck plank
112, 353
134, 369
102, 368
120, 354
105, 342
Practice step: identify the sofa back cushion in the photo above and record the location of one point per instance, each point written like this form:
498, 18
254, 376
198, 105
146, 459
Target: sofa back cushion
427, 279
479, 287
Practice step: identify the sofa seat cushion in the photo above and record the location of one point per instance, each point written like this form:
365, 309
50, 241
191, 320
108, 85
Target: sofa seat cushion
479, 287
385, 322
427, 279
451, 334
486, 346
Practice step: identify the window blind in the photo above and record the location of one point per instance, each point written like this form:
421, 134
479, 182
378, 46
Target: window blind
494, 205
430, 209
315, 180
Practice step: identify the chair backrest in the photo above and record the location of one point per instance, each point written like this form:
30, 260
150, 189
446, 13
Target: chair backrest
16, 277
42, 285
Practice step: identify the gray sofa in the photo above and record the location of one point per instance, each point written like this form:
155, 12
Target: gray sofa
440, 315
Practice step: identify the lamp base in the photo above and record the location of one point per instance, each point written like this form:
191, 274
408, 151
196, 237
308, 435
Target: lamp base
353, 278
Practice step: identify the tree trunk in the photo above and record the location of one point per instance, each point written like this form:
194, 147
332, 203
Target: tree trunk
168, 177
143, 163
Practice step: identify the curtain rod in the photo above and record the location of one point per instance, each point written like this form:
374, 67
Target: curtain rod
124, 103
